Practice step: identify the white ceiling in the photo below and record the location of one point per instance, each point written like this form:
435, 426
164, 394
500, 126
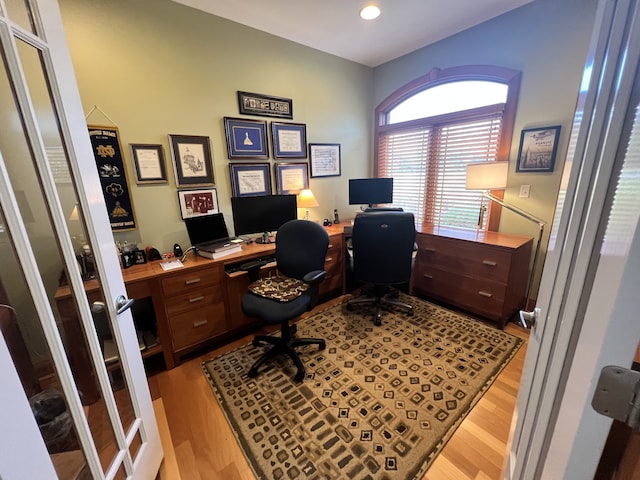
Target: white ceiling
334, 26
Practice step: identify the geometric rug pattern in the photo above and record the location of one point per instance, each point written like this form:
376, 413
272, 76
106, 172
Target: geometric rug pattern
380, 402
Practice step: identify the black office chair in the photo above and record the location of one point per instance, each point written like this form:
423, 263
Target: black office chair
301, 249
383, 244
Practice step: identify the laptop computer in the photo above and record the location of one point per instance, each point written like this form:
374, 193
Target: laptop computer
207, 232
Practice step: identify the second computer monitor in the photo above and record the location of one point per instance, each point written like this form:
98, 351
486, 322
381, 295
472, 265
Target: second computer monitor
370, 191
262, 214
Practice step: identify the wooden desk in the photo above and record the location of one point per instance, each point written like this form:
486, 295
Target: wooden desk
193, 306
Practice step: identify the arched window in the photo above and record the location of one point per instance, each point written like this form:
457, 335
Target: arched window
429, 130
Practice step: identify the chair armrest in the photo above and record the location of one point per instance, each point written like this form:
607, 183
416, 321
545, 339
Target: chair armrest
314, 277
253, 269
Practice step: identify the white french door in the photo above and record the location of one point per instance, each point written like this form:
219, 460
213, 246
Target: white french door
69, 414
588, 298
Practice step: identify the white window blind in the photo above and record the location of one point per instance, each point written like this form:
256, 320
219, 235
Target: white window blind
428, 163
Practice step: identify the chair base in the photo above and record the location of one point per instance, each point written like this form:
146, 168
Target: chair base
284, 345
381, 297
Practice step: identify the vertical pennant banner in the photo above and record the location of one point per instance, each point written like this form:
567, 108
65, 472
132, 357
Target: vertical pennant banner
105, 143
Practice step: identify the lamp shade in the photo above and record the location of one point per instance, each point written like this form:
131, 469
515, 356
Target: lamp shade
306, 199
487, 176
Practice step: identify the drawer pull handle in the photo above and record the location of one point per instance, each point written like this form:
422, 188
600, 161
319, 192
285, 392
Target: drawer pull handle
192, 281
330, 246
430, 250
200, 323
328, 259
485, 294
427, 275
196, 299
489, 263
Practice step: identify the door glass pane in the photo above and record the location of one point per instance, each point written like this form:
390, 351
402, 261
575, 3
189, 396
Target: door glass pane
24, 178
19, 12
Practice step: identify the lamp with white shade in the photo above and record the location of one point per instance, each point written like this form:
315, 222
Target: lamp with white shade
487, 176
307, 200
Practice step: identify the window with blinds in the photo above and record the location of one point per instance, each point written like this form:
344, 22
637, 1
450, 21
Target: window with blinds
427, 156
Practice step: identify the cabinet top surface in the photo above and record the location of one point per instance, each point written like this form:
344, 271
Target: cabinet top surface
479, 236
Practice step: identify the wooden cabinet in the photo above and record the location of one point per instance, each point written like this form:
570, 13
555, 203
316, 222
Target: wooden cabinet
333, 283
194, 302
485, 273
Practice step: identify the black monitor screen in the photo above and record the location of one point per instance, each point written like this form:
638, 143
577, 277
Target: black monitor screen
262, 214
370, 191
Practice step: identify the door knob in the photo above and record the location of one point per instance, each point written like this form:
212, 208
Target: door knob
529, 319
123, 303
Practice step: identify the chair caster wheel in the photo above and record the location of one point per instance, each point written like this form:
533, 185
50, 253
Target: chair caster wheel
349, 307
378, 321
253, 373
410, 313
322, 346
255, 342
299, 377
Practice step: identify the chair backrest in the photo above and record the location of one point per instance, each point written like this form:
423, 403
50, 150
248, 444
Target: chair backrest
383, 244
301, 247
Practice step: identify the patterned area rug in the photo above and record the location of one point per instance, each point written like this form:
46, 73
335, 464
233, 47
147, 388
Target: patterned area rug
377, 403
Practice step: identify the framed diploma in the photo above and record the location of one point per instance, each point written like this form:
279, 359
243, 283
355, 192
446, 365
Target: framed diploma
148, 161
291, 177
250, 180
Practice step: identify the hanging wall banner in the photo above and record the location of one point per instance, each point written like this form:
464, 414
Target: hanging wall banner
108, 155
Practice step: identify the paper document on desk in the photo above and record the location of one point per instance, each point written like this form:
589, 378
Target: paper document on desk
171, 264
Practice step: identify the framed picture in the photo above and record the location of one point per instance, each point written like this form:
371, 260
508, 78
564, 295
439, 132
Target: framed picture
148, 161
289, 140
291, 177
324, 159
196, 203
265, 105
246, 138
538, 148
250, 180
192, 160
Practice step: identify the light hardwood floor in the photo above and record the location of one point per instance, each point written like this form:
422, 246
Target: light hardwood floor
204, 447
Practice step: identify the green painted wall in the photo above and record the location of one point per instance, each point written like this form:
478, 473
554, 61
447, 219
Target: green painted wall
547, 40
155, 67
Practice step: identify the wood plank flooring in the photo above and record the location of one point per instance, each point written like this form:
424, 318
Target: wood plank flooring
204, 446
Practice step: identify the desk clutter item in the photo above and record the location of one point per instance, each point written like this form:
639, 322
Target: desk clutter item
394, 394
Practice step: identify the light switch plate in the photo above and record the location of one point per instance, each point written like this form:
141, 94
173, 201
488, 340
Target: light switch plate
524, 191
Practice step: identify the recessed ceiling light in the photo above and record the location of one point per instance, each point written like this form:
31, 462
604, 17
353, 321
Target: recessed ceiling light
370, 12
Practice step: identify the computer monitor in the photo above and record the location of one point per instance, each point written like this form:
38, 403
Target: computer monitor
262, 214
370, 191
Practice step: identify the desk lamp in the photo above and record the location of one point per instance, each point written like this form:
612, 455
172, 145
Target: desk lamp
493, 176
307, 200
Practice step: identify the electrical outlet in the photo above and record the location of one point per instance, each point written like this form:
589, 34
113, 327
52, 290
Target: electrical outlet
524, 191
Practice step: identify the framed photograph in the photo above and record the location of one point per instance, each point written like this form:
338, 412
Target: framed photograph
246, 138
265, 105
289, 140
196, 203
192, 160
538, 148
291, 177
250, 180
324, 159
148, 161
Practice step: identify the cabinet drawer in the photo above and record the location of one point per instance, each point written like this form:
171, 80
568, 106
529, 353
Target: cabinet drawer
197, 325
479, 295
190, 280
466, 258
195, 299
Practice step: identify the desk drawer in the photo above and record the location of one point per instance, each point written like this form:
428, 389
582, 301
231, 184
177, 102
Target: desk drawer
478, 295
466, 258
188, 281
197, 325
195, 299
